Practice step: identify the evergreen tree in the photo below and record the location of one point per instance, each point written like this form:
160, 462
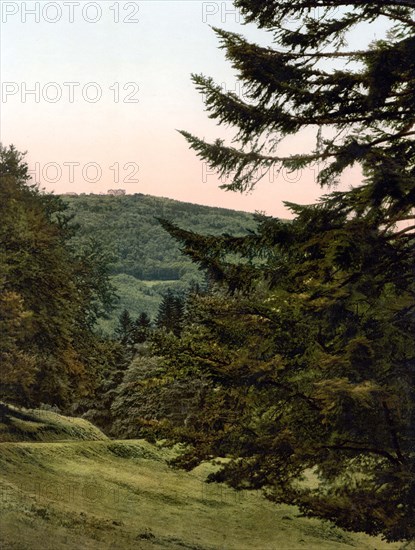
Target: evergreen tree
129, 332
142, 328
124, 331
315, 351
170, 313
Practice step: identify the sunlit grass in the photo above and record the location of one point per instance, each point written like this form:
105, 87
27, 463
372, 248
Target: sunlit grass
123, 495
18, 424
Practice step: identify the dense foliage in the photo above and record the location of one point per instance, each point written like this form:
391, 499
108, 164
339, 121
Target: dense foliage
50, 295
145, 260
127, 229
297, 362
171, 313
311, 355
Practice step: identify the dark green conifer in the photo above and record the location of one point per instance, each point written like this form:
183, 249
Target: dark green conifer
171, 312
315, 350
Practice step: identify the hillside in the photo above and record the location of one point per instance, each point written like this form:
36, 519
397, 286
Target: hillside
122, 495
145, 260
18, 424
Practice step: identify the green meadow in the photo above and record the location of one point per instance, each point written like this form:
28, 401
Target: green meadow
86, 491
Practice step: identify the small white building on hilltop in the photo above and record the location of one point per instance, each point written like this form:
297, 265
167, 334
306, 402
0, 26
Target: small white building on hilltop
116, 192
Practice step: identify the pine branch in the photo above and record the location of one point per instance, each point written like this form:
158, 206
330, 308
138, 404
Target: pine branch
356, 54
312, 403
401, 232
309, 4
400, 17
370, 450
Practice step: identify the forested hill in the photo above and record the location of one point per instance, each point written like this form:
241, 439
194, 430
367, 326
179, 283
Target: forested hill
145, 260
126, 228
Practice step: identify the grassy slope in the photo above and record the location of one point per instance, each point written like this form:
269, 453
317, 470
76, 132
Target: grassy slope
119, 495
106, 494
18, 424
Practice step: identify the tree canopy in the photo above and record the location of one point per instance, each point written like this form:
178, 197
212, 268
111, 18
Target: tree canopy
312, 352
144, 261
50, 294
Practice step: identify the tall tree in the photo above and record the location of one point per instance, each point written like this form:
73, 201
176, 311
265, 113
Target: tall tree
170, 313
142, 328
124, 330
315, 349
50, 296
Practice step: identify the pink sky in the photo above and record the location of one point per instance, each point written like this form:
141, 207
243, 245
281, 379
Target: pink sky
140, 72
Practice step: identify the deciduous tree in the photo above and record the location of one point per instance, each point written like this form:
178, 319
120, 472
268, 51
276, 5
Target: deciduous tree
50, 294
